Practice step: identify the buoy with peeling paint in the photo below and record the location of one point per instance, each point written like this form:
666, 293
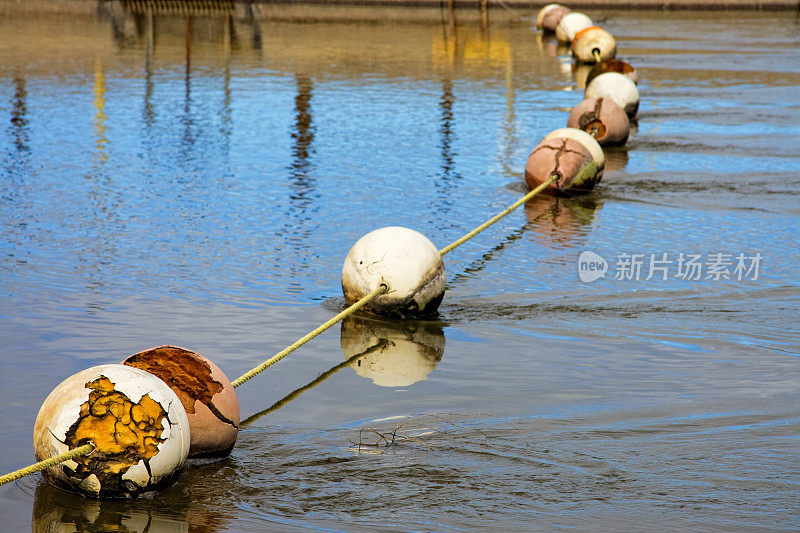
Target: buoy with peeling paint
206, 394
406, 261
550, 15
135, 421
601, 118
593, 44
566, 159
587, 141
616, 87
570, 24
612, 65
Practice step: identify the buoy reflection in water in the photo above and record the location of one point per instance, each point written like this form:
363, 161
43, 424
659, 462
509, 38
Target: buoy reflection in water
561, 222
55, 510
395, 353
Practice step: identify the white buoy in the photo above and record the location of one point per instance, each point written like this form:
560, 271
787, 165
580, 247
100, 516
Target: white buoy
391, 353
603, 119
594, 44
587, 141
134, 420
406, 261
570, 24
565, 159
550, 15
617, 87
206, 393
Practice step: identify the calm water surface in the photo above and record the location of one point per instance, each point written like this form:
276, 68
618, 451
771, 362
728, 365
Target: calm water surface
198, 179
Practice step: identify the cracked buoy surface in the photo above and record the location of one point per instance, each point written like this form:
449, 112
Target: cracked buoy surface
568, 160
204, 391
570, 24
612, 65
391, 353
587, 141
617, 87
406, 261
550, 15
593, 40
601, 118
134, 420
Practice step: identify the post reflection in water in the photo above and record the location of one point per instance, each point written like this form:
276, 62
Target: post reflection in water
173, 511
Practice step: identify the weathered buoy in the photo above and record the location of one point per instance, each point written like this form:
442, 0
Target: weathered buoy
566, 159
587, 141
592, 43
601, 118
206, 394
612, 65
134, 420
391, 353
570, 24
616, 87
406, 261
550, 15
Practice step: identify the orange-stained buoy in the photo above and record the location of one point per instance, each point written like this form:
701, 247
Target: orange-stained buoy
135, 422
206, 394
550, 15
601, 118
570, 24
593, 44
617, 87
566, 159
612, 65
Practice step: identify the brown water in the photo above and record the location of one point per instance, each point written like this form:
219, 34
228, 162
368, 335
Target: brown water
198, 179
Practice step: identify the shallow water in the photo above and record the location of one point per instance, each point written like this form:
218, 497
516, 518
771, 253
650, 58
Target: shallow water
198, 181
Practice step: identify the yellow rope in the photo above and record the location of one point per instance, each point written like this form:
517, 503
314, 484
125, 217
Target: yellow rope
382, 288
504, 212
47, 463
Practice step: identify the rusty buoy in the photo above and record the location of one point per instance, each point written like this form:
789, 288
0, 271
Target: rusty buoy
206, 394
566, 159
612, 65
601, 118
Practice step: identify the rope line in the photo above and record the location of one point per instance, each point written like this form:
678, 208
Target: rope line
382, 288
47, 463
450, 247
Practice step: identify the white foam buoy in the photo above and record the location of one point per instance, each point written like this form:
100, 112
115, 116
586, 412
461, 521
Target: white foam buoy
406, 261
566, 159
601, 118
206, 393
570, 24
617, 87
135, 421
592, 43
587, 141
550, 15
